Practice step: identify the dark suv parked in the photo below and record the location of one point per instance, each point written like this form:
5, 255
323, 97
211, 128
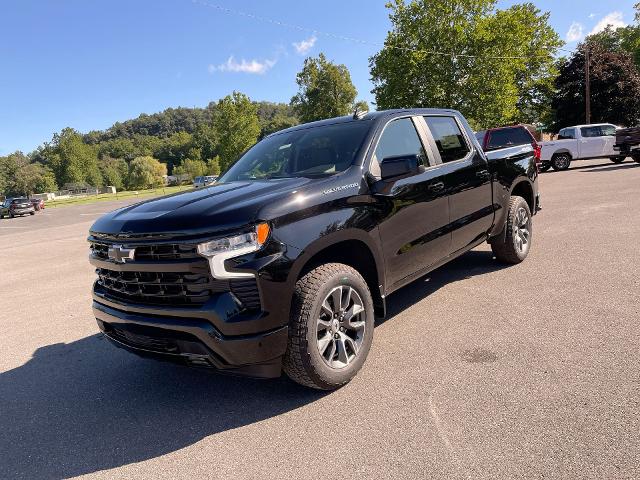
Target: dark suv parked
12, 207
287, 259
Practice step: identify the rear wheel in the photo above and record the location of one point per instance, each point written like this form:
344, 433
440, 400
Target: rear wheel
331, 327
513, 244
561, 161
636, 158
618, 159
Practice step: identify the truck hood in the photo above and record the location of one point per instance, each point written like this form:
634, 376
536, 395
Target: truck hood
217, 208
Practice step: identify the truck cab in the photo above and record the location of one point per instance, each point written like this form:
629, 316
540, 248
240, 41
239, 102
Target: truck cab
580, 142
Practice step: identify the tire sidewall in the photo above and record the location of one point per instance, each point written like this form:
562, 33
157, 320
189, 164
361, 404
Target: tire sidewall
561, 168
521, 203
323, 373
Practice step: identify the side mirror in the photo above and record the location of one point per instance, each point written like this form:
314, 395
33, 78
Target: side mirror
399, 166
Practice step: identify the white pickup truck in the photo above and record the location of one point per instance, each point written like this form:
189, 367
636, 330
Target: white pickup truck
580, 142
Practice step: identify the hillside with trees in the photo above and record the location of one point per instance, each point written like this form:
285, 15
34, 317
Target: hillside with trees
497, 66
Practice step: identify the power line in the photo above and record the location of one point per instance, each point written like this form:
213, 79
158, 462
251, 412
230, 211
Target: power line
230, 11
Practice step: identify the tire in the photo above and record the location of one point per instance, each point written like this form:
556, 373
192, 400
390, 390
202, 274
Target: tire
636, 158
32, 213
544, 166
561, 161
512, 246
328, 362
618, 159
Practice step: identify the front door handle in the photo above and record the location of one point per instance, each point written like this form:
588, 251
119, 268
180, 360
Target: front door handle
436, 187
483, 174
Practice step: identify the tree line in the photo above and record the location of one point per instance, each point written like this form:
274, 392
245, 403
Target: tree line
497, 66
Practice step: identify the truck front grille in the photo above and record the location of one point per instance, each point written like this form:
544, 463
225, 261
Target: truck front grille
160, 288
150, 252
193, 287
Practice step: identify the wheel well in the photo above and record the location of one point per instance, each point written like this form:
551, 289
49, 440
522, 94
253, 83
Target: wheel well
563, 152
357, 255
524, 190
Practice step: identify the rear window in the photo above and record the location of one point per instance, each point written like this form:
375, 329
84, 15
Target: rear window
20, 200
508, 137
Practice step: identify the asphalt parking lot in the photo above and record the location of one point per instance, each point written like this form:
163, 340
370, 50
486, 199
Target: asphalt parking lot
480, 371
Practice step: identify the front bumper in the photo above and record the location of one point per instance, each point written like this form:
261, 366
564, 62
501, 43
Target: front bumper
192, 341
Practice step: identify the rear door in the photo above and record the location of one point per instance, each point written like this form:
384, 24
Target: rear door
415, 210
467, 180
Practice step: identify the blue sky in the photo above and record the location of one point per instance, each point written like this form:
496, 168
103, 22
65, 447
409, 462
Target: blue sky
87, 64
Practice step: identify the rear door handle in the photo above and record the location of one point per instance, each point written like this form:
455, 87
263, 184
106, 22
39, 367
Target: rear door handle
436, 187
483, 174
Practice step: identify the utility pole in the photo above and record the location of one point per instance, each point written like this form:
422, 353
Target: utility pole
587, 74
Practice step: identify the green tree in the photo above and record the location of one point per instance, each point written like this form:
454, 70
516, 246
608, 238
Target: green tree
213, 166
146, 172
615, 88
175, 149
462, 55
46, 182
18, 176
237, 125
191, 168
205, 139
325, 90
114, 172
72, 160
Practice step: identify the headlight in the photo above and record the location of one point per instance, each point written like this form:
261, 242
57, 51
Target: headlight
217, 251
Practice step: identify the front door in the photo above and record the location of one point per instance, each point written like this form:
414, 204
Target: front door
593, 144
467, 180
415, 210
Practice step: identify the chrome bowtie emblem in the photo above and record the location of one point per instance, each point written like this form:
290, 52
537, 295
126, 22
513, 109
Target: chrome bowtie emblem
120, 254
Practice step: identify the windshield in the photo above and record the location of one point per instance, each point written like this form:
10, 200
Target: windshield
20, 200
310, 152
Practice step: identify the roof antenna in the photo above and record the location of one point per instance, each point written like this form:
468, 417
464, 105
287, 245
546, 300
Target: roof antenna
358, 113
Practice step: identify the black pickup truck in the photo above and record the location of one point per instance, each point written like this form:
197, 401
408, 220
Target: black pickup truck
628, 143
285, 262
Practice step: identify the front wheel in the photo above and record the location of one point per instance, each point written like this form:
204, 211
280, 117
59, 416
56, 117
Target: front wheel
513, 244
636, 158
561, 162
331, 327
618, 159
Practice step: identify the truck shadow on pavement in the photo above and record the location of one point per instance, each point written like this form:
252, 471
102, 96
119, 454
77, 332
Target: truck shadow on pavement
86, 406
475, 262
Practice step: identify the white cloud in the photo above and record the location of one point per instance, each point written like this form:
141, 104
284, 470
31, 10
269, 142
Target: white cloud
253, 67
615, 19
575, 33
304, 46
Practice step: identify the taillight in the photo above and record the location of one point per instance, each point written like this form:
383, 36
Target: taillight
537, 149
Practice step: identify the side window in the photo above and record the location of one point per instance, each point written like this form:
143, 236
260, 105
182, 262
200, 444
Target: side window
588, 132
398, 138
449, 139
608, 130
